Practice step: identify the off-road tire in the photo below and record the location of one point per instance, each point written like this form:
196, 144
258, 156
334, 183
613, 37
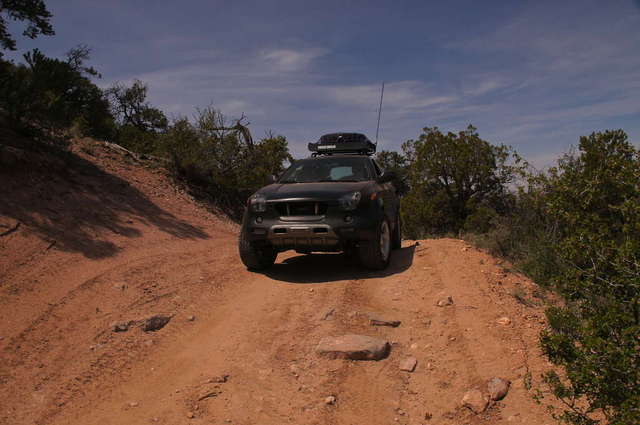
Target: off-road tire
256, 257
371, 253
396, 239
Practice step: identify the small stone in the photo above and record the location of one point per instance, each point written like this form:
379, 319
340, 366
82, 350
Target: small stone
311, 290
414, 346
504, 321
155, 323
400, 412
443, 302
328, 315
330, 400
498, 388
375, 320
475, 400
191, 318
408, 364
354, 347
120, 326
190, 415
452, 338
133, 404
513, 418
294, 370
428, 416
220, 379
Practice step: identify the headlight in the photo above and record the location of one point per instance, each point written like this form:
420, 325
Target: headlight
350, 201
258, 203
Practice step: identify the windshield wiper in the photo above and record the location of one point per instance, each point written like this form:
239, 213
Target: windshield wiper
287, 181
338, 181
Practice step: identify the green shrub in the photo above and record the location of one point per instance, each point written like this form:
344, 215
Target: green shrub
46, 96
212, 155
480, 220
594, 197
139, 123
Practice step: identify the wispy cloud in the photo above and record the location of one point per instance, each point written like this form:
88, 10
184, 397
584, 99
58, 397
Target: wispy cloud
289, 60
399, 95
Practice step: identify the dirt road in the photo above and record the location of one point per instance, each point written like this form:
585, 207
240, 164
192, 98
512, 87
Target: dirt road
240, 346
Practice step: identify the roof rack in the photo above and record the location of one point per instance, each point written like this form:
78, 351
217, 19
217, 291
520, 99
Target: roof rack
353, 143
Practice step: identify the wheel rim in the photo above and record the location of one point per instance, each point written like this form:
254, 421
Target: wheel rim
385, 240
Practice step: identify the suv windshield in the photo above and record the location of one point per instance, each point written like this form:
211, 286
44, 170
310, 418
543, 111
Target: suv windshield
328, 169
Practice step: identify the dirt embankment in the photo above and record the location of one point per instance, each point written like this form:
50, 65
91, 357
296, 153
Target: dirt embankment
108, 240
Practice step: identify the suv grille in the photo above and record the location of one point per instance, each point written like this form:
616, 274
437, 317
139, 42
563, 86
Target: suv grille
301, 208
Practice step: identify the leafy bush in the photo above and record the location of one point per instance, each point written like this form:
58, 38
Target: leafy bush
46, 96
594, 197
222, 159
139, 123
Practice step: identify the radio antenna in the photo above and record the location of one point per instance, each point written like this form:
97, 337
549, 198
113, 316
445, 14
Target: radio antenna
379, 113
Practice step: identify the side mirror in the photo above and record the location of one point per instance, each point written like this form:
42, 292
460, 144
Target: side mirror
386, 177
271, 179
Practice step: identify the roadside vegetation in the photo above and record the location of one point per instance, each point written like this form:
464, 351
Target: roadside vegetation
575, 229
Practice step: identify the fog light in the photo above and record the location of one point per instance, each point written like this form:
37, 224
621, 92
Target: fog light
258, 219
348, 218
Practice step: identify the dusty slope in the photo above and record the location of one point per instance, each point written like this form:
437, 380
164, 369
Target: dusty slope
91, 249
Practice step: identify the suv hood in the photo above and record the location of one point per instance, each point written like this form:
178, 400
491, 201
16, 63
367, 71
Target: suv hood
318, 191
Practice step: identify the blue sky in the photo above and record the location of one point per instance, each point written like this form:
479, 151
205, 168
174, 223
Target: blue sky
534, 75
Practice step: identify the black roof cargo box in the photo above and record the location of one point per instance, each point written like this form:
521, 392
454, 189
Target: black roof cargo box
354, 143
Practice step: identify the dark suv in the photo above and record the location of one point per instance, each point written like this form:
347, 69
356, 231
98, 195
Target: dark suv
337, 200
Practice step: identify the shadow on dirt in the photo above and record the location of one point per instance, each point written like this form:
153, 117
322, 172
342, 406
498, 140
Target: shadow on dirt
324, 268
75, 205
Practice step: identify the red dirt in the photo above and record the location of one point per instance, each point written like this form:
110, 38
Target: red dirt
109, 240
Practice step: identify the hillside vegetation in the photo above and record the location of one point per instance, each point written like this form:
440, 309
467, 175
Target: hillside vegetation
574, 229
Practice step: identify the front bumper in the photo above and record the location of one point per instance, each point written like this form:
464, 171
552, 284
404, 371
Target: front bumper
333, 231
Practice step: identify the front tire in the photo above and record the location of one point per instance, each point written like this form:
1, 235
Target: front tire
375, 255
396, 240
256, 257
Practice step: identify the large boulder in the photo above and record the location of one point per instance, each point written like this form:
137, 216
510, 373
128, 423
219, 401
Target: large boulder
354, 347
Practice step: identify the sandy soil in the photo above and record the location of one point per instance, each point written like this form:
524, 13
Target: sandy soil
110, 240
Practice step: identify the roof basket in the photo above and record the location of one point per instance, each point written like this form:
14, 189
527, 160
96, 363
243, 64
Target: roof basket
353, 143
